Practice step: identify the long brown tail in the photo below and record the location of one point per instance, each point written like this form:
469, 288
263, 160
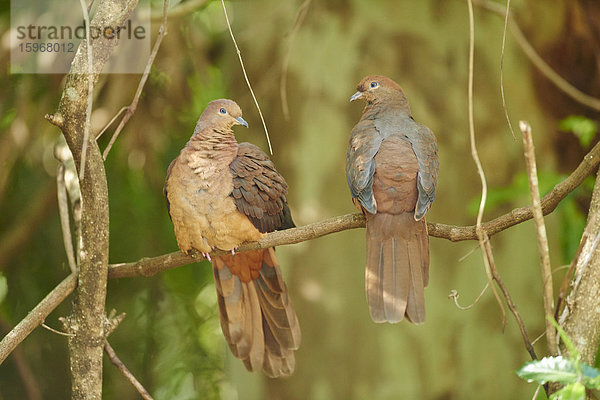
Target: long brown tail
397, 267
257, 317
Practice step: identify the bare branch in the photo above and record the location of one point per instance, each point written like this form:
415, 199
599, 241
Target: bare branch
511, 305
548, 294
28, 378
112, 356
36, 316
56, 331
87, 318
153, 265
63, 211
549, 202
162, 32
539, 63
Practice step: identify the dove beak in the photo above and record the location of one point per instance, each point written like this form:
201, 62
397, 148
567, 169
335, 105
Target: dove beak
356, 95
241, 121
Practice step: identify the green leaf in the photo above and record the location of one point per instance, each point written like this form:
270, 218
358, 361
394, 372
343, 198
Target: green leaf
573, 391
584, 128
549, 369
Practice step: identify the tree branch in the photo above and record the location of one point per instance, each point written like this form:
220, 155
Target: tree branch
129, 110
112, 356
546, 270
546, 70
152, 265
580, 316
37, 316
521, 214
87, 319
511, 305
149, 266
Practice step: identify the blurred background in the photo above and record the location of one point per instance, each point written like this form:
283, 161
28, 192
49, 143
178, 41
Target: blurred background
171, 339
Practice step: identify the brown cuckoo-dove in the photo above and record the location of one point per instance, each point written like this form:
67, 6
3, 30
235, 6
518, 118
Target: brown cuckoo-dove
392, 169
221, 194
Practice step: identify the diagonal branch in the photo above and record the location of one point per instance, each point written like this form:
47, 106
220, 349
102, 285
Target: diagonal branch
129, 110
149, 266
549, 202
37, 316
153, 265
112, 356
511, 305
546, 70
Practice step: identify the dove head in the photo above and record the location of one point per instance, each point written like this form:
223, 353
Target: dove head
221, 114
377, 88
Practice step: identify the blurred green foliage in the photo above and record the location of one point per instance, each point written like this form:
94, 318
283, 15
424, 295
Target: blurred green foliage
171, 339
584, 128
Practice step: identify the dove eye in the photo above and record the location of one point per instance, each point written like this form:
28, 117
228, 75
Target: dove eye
373, 85
222, 110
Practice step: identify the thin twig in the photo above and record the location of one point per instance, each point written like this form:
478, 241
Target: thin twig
502, 71
112, 356
538, 216
29, 379
475, 155
239, 54
162, 32
37, 316
286, 59
454, 296
550, 201
537, 339
57, 331
63, 211
537, 391
88, 113
509, 302
463, 258
539, 63
111, 122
